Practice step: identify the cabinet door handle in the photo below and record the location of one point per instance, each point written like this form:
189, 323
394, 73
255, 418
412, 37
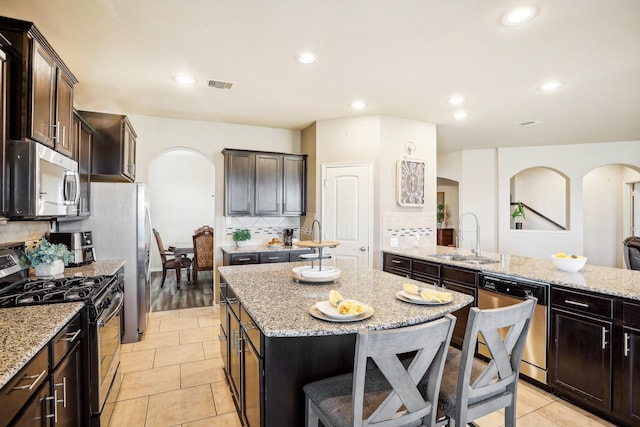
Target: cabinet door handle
604, 338
249, 326
395, 261
55, 406
35, 381
63, 384
244, 259
627, 338
579, 304
274, 257
73, 336
64, 135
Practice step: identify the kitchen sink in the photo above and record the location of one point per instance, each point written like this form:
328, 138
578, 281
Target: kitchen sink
472, 259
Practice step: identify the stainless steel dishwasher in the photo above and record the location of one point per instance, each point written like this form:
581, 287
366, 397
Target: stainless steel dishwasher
500, 291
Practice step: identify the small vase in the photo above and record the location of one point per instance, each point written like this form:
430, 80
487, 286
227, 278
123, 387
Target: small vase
242, 243
518, 226
51, 269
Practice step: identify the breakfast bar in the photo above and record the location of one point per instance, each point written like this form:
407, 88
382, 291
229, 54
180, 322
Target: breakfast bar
272, 345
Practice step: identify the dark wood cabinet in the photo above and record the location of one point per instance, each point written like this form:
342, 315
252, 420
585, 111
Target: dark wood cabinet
3, 123
113, 151
581, 347
67, 389
270, 257
268, 184
264, 184
397, 264
83, 136
631, 363
41, 89
445, 237
263, 257
241, 258
294, 169
38, 412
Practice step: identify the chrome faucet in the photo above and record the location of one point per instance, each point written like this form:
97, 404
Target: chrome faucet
315, 221
476, 251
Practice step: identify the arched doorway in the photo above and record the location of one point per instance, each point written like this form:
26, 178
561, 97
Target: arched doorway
181, 199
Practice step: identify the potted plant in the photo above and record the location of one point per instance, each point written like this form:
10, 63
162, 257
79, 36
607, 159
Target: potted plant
49, 259
241, 237
440, 214
516, 214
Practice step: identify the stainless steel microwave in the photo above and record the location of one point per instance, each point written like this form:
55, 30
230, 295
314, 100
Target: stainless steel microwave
42, 183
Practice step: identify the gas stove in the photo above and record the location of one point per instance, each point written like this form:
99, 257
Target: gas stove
50, 290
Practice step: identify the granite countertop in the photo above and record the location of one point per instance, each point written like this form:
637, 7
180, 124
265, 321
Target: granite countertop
97, 268
605, 280
258, 248
24, 331
280, 307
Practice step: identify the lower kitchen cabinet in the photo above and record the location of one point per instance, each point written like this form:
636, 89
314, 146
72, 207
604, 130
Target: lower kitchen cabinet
581, 348
37, 412
265, 257
67, 390
466, 282
631, 362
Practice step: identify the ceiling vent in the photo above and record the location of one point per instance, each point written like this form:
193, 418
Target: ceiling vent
220, 85
525, 123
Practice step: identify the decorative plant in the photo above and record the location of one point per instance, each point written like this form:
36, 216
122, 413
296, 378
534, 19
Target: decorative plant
518, 212
48, 252
241, 235
440, 213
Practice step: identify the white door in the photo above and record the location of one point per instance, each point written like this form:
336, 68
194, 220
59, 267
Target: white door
347, 201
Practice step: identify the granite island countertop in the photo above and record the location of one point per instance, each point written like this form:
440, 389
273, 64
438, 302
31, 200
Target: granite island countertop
280, 306
604, 280
24, 331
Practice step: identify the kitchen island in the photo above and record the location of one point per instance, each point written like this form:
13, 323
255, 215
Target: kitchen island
272, 345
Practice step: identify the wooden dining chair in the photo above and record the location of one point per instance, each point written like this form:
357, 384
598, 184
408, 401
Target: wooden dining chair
169, 261
471, 389
202, 251
387, 394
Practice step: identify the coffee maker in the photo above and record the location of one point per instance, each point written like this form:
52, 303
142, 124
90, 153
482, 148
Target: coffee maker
288, 236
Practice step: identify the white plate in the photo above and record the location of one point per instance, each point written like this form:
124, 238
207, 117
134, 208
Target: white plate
415, 299
305, 274
331, 312
367, 313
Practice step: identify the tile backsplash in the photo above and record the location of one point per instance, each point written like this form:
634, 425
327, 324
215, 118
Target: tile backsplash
409, 229
262, 228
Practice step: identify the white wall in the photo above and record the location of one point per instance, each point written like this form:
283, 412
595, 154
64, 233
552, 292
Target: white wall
381, 140
574, 161
544, 190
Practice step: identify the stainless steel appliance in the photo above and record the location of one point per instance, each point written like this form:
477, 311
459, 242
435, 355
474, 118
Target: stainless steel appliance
288, 236
41, 182
500, 291
102, 318
80, 243
121, 229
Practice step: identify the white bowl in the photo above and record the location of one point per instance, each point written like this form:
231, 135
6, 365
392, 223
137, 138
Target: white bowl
569, 264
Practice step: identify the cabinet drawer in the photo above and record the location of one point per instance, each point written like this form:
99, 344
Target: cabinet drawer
426, 268
295, 255
398, 272
66, 339
459, 275
397, 261
426, 279
631, 314
267, 257
232, 302
26, 382
581, 302
251, 330
246, 258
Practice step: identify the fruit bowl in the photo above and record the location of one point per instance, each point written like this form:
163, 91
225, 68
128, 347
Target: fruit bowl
569, 263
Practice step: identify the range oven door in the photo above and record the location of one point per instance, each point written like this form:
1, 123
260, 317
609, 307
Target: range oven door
108, 333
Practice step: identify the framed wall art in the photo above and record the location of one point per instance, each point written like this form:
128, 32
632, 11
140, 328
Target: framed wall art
410, 182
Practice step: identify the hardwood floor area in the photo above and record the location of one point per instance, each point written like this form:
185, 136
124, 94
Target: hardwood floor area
173, 377
169, 297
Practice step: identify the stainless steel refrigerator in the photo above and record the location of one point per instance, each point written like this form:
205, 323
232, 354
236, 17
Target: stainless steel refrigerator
122, 230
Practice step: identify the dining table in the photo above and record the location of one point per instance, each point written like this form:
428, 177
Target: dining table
180, 249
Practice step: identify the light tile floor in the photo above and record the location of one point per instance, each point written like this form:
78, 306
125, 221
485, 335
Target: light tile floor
174, 377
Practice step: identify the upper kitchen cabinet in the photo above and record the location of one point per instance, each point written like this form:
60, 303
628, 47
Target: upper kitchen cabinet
83, 136
41, 86
264, 184
113, 147
3, 121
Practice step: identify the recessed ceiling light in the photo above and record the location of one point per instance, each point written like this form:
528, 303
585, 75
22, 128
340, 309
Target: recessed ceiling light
358, 105
184, 79
306, 58
460, 115
551, 85
519, 16
456, 100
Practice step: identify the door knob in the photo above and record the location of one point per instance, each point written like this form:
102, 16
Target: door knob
363, 249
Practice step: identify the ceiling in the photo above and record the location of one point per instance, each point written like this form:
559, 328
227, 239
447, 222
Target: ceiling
404, 58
